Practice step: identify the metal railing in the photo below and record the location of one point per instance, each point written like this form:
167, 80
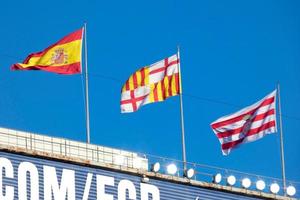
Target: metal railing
206, 173
94, 154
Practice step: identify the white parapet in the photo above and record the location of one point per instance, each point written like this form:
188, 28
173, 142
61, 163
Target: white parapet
94, 154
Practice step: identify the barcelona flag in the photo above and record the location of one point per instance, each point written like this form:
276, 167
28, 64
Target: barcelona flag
63, 57
150, 84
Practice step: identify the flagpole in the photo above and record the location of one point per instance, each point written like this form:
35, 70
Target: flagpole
181, 115
86, 88
281, 141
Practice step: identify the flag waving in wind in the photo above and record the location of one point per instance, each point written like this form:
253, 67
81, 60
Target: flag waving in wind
247, 125
63, 57
150, 84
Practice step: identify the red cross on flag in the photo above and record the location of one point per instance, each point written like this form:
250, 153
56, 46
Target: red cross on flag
150, 84
247, 125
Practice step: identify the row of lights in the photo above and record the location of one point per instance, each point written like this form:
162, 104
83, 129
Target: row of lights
260, 184
172, 169
231, 180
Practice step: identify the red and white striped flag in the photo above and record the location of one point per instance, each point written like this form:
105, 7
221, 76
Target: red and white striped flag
247, 125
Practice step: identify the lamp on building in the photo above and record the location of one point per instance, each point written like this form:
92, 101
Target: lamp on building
231, 180
274, 188
291, 190
246, 183
172, 169
189, 173
217, 178
155, 167
145, 179
260, 185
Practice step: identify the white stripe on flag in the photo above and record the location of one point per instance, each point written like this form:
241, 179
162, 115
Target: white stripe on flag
248, 124
239, 135
254, 125
252, 138
245, 110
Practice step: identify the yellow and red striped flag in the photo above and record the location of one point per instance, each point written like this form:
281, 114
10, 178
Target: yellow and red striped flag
150, 84
63, 57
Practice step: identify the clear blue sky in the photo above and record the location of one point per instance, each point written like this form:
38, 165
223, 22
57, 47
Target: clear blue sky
231, 51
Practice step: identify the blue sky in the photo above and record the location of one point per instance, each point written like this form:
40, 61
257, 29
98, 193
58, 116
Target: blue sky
232, 54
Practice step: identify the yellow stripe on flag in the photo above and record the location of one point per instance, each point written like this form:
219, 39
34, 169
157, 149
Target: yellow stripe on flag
159, 91
147, 76
139, 78
151, 95
166, 85
124, 88
71, 54
173, 85
131, 87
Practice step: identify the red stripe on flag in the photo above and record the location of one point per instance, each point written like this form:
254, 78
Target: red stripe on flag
143, 76
163, 89
240, 117
170, 85
177, 83
137, 99
174, 62
165, 67
261, 128
155, 95
127, 85
232, 144
135, 83
133, 99
238, 130
74, 68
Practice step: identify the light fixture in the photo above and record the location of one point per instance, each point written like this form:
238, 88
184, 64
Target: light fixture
155, 167
231, 180
217, 178
246, 183
260, 185
145, 179
190, 173
274, 188
171, 169
291, 190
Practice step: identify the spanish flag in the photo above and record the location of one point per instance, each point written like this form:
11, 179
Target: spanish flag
63, 57
150, 84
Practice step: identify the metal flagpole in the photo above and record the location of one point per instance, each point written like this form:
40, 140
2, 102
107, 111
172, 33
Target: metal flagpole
181, 115
281, 141
86, 88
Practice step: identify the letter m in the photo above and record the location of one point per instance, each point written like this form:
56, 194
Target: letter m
66, 187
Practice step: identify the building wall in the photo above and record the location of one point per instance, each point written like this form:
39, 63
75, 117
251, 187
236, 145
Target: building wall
49, 179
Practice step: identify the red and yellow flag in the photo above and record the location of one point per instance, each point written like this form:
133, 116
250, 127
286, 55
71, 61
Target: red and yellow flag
63, 57
151, 84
